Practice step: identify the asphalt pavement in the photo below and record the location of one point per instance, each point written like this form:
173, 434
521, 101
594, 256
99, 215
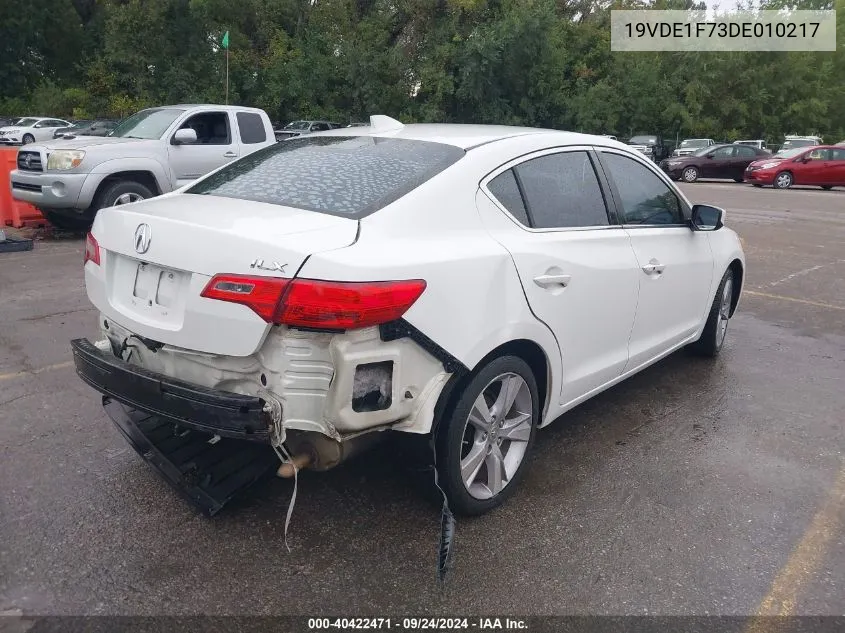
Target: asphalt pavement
697, 487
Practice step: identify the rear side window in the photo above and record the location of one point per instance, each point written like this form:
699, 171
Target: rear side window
252, 128
562, 191
743, 151
506, 191
339, 175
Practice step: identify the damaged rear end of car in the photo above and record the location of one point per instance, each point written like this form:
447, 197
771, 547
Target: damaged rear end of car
215, 348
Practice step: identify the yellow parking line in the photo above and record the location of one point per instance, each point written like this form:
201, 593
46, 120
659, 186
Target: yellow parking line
819, 304
808, 555
35, 372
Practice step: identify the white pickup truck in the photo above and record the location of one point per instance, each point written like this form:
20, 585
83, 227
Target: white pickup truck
152, 152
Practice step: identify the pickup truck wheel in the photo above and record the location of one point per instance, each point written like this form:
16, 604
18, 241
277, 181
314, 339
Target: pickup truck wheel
27, 139
122, 192
67, 222
484, 438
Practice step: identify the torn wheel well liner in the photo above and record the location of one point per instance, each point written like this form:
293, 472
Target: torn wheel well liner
400, 328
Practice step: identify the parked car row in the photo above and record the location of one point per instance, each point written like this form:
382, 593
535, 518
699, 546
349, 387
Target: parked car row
822, 165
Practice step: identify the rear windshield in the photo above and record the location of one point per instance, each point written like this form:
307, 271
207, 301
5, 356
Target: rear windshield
339, 175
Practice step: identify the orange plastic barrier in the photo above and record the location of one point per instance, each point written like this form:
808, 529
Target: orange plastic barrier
14, 212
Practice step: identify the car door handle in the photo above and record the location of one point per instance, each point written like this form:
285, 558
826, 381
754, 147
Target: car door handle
654, 267
230, 155
544, 281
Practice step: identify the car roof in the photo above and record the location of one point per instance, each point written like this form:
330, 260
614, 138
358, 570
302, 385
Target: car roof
467, 136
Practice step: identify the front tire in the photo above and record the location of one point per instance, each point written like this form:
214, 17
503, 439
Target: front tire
485, 436
783, 180
690, 174
122, 192
27, 139
716, 328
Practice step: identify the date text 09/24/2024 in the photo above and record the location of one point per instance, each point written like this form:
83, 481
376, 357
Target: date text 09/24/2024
417, 624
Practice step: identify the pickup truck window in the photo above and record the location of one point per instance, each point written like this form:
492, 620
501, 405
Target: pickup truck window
251, 126
147, 124
212, 128
338, 175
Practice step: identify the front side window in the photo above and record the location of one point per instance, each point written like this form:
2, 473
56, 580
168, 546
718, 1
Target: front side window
338, 175
562, 191
212, 128
147, 124
645, 198
817, 154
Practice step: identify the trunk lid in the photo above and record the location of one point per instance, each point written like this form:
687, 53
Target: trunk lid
150, 278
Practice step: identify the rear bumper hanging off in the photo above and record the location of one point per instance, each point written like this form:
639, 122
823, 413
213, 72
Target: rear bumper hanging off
218, 412
208, 473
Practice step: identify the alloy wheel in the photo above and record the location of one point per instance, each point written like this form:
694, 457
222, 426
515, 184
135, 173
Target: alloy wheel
725, 310
126, 198
496, 435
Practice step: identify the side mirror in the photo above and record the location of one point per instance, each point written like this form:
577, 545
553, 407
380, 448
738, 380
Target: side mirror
707, 218
185, 136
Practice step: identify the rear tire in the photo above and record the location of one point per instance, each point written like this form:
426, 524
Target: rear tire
716, 328
27, 139
783, 180
67, 222
484, 437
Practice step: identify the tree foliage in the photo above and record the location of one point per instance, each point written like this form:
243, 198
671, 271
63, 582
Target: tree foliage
534, 62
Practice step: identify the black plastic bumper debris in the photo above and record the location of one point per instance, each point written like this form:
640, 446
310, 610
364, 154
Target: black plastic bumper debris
207, 470
15, 245
223, 413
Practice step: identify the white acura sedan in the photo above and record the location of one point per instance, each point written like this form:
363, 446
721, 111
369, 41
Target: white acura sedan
470, 283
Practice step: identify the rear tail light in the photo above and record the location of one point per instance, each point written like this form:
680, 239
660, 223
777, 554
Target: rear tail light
324, 305
92, 250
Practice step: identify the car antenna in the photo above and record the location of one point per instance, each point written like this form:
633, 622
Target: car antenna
382, 123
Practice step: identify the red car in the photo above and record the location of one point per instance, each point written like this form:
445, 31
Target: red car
822, 165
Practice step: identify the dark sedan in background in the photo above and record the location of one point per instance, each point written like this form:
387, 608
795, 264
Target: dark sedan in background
719, 161
99, 127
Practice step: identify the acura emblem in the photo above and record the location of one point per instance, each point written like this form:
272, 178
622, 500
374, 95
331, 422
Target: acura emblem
143, 236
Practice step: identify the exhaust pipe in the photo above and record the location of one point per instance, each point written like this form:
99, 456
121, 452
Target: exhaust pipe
320, 452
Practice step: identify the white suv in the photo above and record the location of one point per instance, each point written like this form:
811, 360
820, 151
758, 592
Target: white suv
470, 282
